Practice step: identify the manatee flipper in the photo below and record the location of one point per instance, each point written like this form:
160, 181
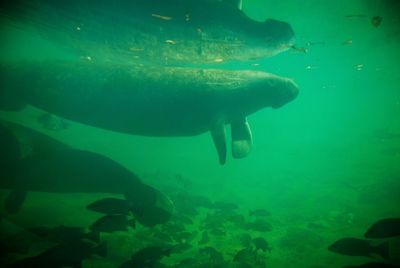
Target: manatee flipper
14, 201
218, 135
242, 140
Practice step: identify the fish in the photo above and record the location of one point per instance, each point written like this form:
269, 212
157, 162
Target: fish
205, 238
185, 236
201, 31
217, 232
261, 243
245, 256
189, 262
180, 248
215, 257
63, 234
148, 256
112, 223
53, 167
384, 228
258, 225
111, 206
359, 247
259, 213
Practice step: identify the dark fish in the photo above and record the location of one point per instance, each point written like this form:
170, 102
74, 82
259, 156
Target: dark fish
181, 247
111, 206
68, 254
384, 228
198, 201
157, 31
182, 219
261, 243
259, 225
217, 232
245, 256
112, 223
215, 257
185, 236
63, 234
163, 237
374, 265
359, 247
173, 227
376, 21
204, 238
189, 262
147, 257
259, 213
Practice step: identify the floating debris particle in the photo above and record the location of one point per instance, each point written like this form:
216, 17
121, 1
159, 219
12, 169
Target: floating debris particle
347, 42
169, 41
376, 21
359, 67
351, 16
161, 17
300, 49
219, 60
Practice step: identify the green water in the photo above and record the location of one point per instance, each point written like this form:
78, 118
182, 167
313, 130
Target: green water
317, 164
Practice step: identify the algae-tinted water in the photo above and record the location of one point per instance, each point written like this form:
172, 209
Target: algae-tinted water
325, 166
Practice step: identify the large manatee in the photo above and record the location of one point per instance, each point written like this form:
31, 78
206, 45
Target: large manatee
157, 31
31, 161
151, 101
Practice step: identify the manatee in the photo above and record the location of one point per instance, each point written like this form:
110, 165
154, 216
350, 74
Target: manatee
159, 31
150, 101
52, 167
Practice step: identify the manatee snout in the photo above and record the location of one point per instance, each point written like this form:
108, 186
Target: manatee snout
279, 32
286, 92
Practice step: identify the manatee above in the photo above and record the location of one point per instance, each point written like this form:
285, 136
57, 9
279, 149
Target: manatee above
157, 31
150, 101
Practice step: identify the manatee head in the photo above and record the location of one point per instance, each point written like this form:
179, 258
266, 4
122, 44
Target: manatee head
272, 37
269, 90
285, 90
279, 33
